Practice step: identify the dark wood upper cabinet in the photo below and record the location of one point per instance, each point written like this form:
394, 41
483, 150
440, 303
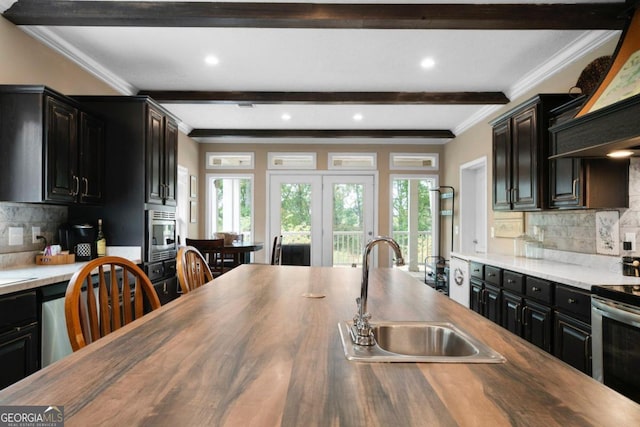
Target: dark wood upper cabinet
520, 151
576, 183
91, 165
52, 150
61, 141
142, 149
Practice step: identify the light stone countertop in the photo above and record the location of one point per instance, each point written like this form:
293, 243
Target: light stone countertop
578, 270
27, 277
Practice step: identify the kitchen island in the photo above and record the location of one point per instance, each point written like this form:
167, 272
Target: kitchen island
260, 346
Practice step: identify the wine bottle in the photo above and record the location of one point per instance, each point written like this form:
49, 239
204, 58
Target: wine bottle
101, 242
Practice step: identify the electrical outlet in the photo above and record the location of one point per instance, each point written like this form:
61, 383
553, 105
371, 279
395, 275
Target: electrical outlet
493, 232
631, 237
15, 236
35, 231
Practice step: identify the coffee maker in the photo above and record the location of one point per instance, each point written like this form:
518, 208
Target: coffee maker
79, 239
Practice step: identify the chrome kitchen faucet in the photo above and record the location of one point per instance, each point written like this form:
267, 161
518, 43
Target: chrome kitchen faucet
361, 333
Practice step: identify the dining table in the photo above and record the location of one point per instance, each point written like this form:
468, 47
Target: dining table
240, 251
260, 346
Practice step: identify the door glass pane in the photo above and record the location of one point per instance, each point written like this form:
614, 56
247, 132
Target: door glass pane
412, 220
348, 224
295, 213
231, 210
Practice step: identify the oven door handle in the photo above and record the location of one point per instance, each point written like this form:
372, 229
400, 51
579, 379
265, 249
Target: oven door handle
617, 311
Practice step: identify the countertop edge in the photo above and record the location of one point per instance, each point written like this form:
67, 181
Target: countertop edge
579, 276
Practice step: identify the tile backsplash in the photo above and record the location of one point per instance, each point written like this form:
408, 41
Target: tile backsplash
26, 216
575, 230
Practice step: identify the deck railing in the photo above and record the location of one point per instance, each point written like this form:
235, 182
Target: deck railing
348, 245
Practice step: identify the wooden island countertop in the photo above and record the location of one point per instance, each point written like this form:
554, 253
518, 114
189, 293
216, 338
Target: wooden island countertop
250, 349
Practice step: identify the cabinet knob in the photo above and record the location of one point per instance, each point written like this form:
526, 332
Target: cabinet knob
511, 281
571, 301
535, 289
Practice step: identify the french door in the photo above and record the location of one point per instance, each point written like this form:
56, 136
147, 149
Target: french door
332, 214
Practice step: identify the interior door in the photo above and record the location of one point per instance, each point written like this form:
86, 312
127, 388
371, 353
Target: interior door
332, 214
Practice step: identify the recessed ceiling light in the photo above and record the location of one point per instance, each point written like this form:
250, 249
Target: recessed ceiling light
358, 117
427, 63
286, 117
211, 60
620, 153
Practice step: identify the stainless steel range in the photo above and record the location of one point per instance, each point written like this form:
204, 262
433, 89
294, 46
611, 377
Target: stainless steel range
615, 324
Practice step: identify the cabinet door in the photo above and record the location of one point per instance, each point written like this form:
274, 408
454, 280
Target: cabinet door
155, 156
572, 342
475, 302
537, 326
18, 354
91, 159
171, 163
167, 290
63, 182
525, 159
564, 182
511, 313
502, 166
492, 304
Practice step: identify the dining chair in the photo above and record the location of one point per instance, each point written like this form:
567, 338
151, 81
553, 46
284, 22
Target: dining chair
193, 269
94, 314
276, 251
214, 253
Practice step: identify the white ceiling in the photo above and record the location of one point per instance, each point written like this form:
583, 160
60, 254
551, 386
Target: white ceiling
250, 59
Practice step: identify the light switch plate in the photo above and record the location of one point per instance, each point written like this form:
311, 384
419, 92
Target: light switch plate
15, 236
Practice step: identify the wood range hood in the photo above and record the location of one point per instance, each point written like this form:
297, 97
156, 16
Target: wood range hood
610, 119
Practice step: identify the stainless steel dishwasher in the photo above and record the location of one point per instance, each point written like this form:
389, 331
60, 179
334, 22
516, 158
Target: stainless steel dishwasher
55, 341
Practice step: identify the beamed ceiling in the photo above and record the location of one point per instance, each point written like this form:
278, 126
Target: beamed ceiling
323, 71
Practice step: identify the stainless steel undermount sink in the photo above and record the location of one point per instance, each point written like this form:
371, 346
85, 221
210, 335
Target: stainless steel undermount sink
436, 342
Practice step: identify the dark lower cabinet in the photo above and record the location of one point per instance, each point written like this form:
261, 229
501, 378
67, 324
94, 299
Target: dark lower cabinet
537, 325
18, 354
485, 300
512, 313
552, 316
19, 337
475, 301
573, 342
167, 290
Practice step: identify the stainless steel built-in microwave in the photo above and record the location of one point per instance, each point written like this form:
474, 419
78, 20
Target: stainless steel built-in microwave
161, 236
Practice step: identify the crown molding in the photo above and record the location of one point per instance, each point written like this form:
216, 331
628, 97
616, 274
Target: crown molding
69, 51
587, 42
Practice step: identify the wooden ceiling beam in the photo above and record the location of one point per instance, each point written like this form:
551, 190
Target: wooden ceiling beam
378, 98
320, 133
582, 16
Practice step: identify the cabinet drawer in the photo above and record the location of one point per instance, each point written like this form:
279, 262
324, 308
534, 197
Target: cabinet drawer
477, 270
155, 271
539, 289
574, 301
493, 275
513, 281
18, 309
